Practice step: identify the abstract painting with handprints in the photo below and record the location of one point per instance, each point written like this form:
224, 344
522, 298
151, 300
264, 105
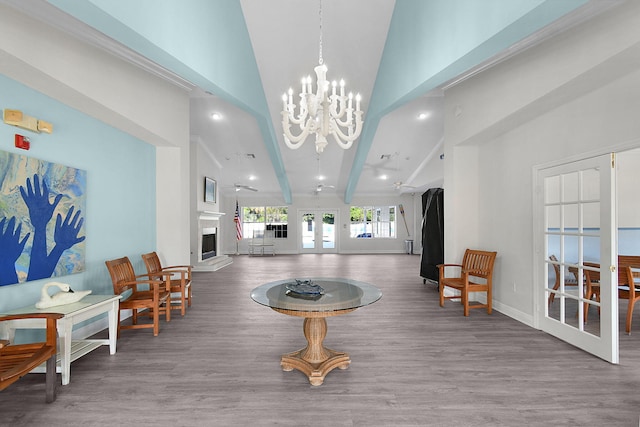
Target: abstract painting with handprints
42, 231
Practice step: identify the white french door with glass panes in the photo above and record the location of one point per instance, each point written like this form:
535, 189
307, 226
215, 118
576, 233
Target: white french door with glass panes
575, 239
318, 231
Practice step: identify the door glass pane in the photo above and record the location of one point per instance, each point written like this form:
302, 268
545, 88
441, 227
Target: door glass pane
553, 246
553, 218
571, 218
591, 184
570, 187
307, 230
591, 248
552, 189
328, 231
592, 323
571, 248
591, 216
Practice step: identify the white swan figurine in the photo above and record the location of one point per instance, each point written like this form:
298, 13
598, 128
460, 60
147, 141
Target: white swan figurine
67, 296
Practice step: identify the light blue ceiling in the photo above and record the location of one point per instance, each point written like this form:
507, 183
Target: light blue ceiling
207, 43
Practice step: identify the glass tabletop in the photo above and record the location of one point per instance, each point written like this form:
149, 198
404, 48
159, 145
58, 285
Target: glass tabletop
336, 294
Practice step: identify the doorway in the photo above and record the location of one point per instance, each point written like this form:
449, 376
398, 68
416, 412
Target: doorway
318, 231
576, 235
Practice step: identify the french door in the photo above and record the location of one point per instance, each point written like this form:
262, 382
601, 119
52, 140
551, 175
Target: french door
575, 241
317, 230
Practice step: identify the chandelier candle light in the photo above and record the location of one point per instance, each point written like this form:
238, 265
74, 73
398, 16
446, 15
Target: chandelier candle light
321, 113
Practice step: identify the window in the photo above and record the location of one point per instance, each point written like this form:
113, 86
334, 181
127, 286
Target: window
369, 222
255, 220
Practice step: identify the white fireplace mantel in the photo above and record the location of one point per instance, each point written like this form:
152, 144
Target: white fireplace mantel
210, 216
209, 222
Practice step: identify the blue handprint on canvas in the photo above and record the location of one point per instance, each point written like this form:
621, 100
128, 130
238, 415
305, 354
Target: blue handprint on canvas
11, 248
33, 193
41, 211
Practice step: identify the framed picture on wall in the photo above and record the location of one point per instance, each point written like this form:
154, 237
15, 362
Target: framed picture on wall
209, 190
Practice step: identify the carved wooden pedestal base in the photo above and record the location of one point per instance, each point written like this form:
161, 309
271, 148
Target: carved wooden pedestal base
315, 361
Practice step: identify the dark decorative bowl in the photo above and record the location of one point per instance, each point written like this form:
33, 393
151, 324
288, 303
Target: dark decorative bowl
304, 289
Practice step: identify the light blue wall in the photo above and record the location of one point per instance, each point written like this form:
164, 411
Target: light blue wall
120, 210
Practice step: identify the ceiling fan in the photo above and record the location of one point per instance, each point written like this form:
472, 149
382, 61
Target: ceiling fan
398, 185
244, 187
319, 187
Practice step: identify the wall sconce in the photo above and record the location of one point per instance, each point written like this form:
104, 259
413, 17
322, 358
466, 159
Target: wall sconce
17, 118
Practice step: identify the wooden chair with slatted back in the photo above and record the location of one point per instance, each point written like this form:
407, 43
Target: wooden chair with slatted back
155, 298
179, 275
17, 360
569, 280
591, 286
628, 284
475, 275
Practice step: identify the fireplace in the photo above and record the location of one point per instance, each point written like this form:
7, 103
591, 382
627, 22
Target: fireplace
209, 243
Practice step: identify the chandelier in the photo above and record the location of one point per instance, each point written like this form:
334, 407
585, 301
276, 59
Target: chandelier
322, 113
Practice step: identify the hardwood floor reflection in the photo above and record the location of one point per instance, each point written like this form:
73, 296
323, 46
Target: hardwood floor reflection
413, 363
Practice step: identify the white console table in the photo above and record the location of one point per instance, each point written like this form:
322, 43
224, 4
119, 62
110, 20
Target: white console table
68, 349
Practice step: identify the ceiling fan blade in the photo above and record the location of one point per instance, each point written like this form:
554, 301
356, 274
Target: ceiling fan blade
245, 187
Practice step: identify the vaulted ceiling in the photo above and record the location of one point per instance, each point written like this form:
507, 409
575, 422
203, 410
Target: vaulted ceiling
237, 57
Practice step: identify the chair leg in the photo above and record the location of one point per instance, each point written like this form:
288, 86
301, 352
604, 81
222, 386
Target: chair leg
465, 302
51, 379
441, 288
189, 296
489, 301
632, 302
156, 320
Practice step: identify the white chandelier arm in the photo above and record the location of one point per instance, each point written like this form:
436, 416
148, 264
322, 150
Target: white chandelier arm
338, 106
351, 136
290, 140
348, 121
289, 108
343, 145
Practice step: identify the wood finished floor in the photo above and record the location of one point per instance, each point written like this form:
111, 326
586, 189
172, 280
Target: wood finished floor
413, 363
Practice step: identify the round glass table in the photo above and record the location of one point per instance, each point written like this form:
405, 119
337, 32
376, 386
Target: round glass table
315, 299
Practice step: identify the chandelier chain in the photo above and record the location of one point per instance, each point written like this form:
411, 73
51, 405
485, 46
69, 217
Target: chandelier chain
320, 60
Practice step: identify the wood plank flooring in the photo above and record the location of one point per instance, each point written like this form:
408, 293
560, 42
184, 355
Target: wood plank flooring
412, 363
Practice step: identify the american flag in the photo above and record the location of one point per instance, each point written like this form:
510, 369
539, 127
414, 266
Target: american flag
238, 222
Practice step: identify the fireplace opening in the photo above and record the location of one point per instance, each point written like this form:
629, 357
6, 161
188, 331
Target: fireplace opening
208, 243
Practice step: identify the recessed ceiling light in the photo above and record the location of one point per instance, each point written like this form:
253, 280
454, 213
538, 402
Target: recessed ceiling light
423, 116
384, 177
216, 116
252, 178
321, 177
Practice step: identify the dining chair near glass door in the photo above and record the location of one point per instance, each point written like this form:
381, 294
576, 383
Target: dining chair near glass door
629, 284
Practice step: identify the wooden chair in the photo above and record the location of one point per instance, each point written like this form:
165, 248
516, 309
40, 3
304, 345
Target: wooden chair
628, 288
156, 298
179, 276
17, 360
568, 281
591, 286
475, 265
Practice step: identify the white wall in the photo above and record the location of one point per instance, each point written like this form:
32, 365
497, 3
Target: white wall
575, 96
